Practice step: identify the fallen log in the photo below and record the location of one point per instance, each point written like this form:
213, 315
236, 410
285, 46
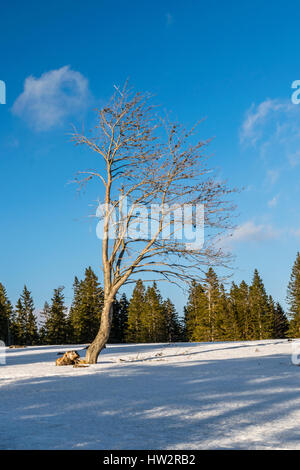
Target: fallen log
70, 358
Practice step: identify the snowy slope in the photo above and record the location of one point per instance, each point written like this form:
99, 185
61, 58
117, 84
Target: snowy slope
182, 396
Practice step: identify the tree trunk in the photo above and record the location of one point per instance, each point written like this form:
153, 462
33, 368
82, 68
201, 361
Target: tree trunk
101, 339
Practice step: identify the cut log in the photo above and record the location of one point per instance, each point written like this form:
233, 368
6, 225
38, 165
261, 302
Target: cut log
69, 358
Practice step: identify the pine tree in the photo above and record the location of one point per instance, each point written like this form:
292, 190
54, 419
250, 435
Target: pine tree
31, 324
173, 328
293, 299
136, 307
56, 323
85, 312
5, 316
271, 318
224, 322
212, 291
244, 315
153, 320
119, 321
278, 319
236, 312
197, 326
20, 323
32, 329
74, 310
241, 326
13, 330
45, 313
25, 321
123, 316
259, 309
281, 323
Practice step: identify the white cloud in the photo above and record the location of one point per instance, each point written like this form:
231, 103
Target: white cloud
250, 232
47, 101
272, 128
257, 116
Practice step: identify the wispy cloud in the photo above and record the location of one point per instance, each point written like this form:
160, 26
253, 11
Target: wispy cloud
272, 128
250, 232
257, 116
47, 101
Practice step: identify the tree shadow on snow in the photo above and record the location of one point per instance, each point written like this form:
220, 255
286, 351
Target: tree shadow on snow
228, 403
37, 354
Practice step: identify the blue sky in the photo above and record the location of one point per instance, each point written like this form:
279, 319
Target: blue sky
231, 62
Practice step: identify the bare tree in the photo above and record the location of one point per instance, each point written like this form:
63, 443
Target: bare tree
148, 162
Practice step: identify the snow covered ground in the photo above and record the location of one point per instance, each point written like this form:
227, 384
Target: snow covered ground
181, 396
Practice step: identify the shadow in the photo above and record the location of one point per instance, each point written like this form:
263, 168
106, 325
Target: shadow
163, 346
49, 353
236, 403
37, 354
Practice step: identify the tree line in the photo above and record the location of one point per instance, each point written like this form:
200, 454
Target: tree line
245, 312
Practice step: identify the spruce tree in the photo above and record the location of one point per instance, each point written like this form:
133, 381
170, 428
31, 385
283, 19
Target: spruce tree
13, 330
244, 315
242, 326
195, 318
136, 307
224, 322
25, 322
20, 323
5, 316
45, 313
115, 327
31, 324
259, 309
271, 318
85, 312
293, 299
173, 328
92, 304
212, 291
153, 320
32, 329
236, 309
56, 323
123, 316
74, 311
281, 323
197, 326
119, 321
